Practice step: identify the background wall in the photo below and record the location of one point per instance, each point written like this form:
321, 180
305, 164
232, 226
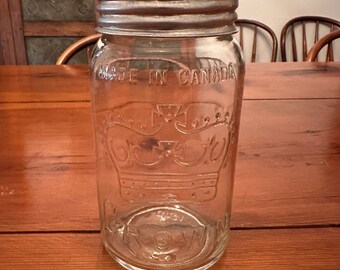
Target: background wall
37, 31
275, 13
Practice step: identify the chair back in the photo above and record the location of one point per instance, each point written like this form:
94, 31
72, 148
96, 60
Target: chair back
306, 31
318, 46
250, 32
85, 42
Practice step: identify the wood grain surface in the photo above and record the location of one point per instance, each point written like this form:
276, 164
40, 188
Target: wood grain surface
292, 81
62, 29
311, 249
44, 83
263, 81
287, 175
7, 52
286, 203
18, 33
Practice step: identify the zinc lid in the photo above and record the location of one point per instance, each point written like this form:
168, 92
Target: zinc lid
167, 18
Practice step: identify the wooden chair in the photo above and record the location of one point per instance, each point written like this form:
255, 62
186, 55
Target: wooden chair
76, 47
254, 26
327, 39
291, 28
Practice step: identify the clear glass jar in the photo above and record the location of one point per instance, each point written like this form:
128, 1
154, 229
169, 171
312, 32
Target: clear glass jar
166, 106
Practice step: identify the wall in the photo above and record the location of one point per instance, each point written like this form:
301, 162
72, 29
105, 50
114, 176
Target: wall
275, 13
44, 17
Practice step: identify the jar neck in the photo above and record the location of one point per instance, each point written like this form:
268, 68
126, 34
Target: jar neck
172, 18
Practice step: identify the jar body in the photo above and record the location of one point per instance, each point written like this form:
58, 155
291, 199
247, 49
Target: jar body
166, 116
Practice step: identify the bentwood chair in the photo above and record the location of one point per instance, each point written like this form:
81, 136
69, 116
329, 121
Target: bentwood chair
85, 42
318, 46
298, 30
256, 30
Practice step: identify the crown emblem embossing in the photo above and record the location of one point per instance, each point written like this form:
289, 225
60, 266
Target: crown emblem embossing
167, 236
168, 151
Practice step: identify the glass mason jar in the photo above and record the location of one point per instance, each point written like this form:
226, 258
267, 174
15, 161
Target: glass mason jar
167, 82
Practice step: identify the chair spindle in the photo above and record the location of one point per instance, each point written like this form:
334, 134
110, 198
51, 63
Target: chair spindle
294, 45
253, 54
241, 37
304, 41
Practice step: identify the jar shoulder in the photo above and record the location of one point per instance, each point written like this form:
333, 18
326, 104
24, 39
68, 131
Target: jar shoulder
221, 48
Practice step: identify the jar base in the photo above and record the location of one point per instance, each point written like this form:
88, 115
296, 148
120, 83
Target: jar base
166, 237
131, 267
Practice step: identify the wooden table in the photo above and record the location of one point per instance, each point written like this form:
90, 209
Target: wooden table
286, 206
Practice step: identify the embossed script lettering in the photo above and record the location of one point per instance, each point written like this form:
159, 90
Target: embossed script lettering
206, 71
209, 75
119, 74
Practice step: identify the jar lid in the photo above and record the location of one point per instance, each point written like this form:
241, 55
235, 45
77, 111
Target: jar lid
167, 18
